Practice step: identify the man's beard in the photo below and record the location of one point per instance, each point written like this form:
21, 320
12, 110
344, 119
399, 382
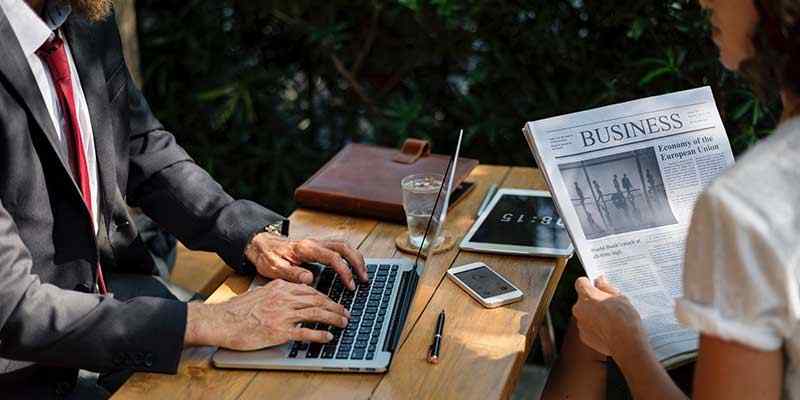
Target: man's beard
93, 10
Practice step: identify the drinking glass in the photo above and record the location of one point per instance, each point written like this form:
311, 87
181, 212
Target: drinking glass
419, 197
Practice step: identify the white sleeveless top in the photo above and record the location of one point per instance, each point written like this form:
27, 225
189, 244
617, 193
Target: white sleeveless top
741, 276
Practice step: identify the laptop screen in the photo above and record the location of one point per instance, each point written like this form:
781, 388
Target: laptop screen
439, 215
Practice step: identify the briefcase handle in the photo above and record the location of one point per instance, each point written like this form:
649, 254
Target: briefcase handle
412, 150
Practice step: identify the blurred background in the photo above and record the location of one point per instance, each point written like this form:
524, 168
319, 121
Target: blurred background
262, 93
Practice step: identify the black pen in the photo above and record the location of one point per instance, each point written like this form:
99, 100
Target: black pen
433, 352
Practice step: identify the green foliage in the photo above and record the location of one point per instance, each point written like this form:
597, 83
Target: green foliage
262, 93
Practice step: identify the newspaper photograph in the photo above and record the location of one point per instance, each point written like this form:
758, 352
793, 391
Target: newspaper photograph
618, 193
625, 179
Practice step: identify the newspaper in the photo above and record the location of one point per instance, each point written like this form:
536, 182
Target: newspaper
625, 179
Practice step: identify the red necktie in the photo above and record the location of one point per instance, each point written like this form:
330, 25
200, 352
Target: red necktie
54, 55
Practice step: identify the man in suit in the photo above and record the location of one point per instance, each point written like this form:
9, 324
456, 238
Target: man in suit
78, 145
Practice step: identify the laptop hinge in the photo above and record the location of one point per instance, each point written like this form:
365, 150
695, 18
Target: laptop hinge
408, 285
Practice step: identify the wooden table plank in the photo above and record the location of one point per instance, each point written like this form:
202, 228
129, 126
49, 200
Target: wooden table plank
196, 378
292, 385
483, 349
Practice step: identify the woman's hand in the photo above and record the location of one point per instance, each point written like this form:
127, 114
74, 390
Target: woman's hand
607, 321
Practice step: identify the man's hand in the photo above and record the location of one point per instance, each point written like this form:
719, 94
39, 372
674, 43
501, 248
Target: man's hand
264, 317
277, 257
607, 321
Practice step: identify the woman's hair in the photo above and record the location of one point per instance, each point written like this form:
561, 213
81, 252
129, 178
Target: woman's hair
775, 64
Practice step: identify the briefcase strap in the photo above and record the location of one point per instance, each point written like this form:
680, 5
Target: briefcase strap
413, 150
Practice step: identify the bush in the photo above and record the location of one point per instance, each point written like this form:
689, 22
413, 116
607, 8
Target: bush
261, 93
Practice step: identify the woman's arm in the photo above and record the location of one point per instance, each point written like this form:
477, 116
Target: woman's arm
725, 369
609, 324
646, 377
729, 370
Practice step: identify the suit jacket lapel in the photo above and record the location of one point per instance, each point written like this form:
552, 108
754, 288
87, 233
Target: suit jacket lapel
88, 63
14, 66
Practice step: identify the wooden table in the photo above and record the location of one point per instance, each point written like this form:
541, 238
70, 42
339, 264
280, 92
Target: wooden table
483, 349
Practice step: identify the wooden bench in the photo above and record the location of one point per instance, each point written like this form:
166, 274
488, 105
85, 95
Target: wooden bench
199, 271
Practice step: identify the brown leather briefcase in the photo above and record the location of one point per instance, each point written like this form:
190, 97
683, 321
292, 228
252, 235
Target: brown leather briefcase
364, 180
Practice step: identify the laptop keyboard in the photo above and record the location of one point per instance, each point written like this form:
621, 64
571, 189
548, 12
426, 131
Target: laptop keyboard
367, 305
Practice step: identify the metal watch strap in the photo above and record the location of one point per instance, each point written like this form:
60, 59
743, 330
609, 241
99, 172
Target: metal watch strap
275, 227
280, 228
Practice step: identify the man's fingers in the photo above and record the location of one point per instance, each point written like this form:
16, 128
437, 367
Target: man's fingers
352, 256
318, 314
311, 335
275, 267
603, 284
308, 297
311, 251
269, 265
297, 275
335, 261
321, 301
304, 290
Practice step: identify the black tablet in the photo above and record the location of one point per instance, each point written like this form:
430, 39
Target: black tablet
519, 221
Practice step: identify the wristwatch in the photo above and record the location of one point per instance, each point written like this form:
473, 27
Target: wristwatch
275, 228
279, 228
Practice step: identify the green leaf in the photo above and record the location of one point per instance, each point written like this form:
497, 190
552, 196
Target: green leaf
412, 4
214, 94
740, 111
652, 75
637, 28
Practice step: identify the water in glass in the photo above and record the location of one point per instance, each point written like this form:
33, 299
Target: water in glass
419, 197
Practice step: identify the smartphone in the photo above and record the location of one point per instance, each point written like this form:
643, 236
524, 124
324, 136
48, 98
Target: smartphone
485, 285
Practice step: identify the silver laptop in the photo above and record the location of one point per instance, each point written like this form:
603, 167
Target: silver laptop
378, 313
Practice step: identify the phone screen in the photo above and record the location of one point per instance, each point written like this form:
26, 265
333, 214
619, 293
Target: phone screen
484, 282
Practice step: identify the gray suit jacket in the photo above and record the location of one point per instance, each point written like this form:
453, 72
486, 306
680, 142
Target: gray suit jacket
48, 315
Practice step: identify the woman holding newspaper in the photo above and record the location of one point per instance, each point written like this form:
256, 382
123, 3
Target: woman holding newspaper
741, 273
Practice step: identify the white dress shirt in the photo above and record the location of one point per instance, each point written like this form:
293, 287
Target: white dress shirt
741, 278
32, 32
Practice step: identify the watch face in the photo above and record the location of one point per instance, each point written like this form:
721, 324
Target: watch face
276, 228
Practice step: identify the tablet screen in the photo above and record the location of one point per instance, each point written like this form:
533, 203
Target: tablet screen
523, 220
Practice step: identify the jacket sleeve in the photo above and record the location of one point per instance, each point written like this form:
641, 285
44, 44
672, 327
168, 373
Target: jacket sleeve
182, 197
45, 324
